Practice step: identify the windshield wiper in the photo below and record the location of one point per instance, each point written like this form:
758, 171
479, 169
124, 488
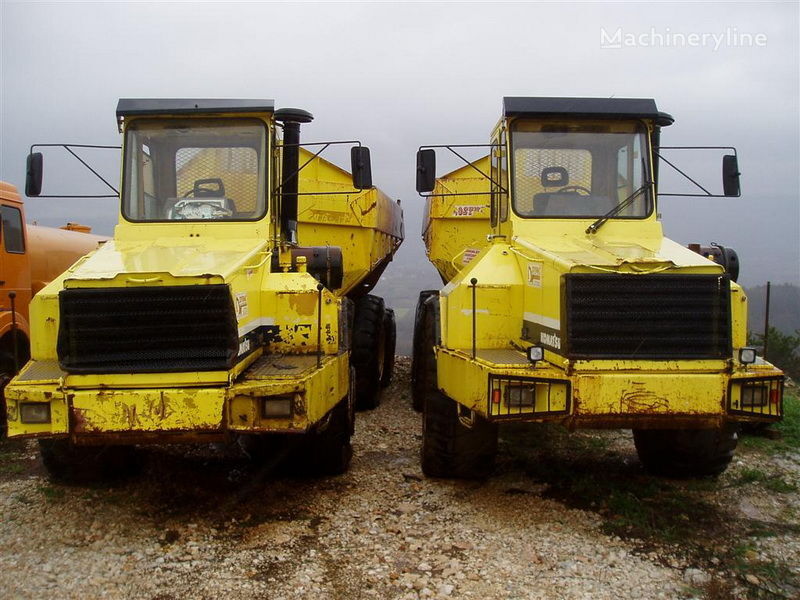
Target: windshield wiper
618, 208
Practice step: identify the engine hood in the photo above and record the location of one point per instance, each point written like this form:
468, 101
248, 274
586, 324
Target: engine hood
178, 257
575, 253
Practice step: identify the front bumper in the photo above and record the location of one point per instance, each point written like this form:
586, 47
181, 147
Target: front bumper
181, 413
503, 385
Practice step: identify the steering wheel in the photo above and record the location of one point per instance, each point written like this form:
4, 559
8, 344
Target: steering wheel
575, 188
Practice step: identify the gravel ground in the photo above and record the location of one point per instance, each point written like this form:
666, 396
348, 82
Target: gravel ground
566, 516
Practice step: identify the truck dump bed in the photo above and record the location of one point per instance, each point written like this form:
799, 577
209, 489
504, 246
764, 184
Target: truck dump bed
455, 227
367, 224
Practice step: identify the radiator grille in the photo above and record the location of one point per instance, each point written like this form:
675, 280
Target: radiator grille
147, 329
647, 316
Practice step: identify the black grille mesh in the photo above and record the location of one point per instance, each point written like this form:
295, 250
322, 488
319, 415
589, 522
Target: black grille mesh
147, 329
647, 316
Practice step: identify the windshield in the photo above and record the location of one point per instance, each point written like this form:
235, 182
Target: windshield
584, 170
195, 170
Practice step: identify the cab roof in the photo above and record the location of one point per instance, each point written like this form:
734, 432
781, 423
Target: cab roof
129, 107
598, 108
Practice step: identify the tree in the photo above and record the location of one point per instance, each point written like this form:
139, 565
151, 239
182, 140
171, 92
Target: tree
782, 350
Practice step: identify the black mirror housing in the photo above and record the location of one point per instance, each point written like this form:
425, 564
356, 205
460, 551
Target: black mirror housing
361, 167
730, 176
33, 174
426, 170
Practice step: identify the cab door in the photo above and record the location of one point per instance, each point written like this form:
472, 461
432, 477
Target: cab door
14, 272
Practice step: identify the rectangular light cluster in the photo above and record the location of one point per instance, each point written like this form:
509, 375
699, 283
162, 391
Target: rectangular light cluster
34, 412
757, 397
527, 396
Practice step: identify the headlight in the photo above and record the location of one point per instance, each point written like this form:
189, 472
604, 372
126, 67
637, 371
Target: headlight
34, 412
535, 353
747, 355
518, 396
754, 396
276, 406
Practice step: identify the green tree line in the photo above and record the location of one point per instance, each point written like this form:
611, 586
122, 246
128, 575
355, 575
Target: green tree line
783, 350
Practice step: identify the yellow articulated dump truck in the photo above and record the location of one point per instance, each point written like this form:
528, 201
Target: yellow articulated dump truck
232, 303
565, 303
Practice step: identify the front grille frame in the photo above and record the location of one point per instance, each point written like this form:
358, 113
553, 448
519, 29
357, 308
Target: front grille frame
147, 329
679, 295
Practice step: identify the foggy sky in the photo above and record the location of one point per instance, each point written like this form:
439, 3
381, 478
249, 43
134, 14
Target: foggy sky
400, 75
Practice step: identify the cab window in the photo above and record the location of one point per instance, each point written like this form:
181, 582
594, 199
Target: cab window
13, 238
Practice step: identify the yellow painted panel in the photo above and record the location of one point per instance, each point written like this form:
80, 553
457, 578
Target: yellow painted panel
317, 391
498, 302
649, 394
148, 410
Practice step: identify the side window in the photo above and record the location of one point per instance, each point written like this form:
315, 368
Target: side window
495, 175
629, 177
502, 178
12, 229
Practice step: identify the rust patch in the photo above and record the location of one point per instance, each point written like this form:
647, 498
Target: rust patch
81, 422
303, 304
369, 209
144, 437
188, 400
129, 414
641, 400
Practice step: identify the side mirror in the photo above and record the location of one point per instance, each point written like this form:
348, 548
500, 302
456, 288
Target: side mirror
361, 167
730, 176
426, 170
33, 174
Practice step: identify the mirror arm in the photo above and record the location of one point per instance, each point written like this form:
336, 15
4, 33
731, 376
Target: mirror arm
68, 148
468, 163
96, 174
303, 166
707, 193
489, 177
325, 146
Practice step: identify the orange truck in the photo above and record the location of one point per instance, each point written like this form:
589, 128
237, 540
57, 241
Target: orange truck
30, 257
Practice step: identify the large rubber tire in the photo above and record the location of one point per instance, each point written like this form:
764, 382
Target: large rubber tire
450, 449
7, 372
368, 350
329, 451
390, 337
423, 362
269, 450
686, 453
69, 463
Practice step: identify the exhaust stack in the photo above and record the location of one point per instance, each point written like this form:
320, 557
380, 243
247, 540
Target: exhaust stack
291, 118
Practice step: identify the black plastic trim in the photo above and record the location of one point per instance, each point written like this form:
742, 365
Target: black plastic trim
200, 106
601, 108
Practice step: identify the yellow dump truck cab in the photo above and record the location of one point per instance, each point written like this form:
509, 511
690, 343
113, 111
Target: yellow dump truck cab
565, 303
231, 303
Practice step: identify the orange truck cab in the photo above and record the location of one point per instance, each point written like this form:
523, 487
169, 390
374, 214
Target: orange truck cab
30, 257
